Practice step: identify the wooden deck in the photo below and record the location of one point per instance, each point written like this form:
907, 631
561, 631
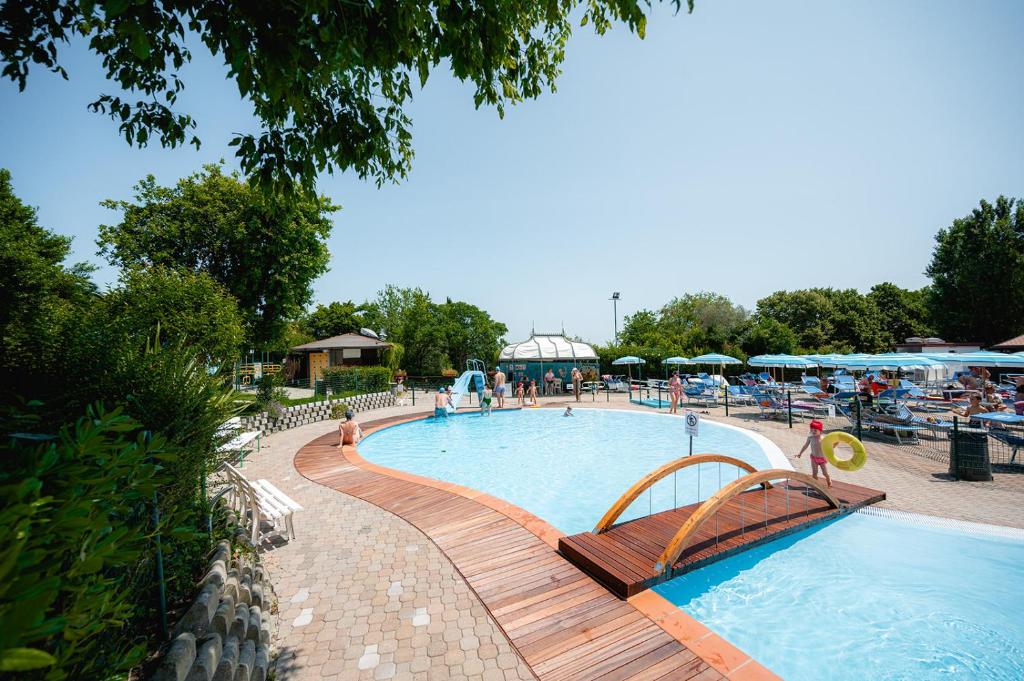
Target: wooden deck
563, 623
624, 557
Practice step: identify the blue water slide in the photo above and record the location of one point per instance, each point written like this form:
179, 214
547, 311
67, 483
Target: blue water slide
461, 387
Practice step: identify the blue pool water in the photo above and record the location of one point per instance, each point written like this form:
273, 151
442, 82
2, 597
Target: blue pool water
567, 471
869, 597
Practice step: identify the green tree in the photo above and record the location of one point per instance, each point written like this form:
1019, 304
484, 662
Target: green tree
188, 307
41, 295
806, 312
266, 252
328, 82
904, 313
765, 335
977, 272
641, 328
703, 321
470, 333
333, 319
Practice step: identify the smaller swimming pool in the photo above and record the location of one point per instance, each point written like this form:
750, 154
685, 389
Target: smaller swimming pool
873, 595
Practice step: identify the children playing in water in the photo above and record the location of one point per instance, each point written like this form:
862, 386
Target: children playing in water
568, 412
485, 401
818, 460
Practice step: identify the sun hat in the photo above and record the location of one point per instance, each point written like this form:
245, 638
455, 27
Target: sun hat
816, 425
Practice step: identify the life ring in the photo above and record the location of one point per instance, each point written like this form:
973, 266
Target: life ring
854, 463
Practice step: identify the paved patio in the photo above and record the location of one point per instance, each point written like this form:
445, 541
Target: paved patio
365, 595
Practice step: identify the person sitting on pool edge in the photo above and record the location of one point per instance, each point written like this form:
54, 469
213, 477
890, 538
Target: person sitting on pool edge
485, 401
349, 432
441, 401
818, 459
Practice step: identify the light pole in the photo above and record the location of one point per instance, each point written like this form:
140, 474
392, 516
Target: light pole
615, 314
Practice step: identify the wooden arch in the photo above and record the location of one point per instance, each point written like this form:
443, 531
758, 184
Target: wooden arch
716, 501
620, 506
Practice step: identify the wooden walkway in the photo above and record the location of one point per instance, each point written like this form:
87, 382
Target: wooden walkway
624, 557
563, 623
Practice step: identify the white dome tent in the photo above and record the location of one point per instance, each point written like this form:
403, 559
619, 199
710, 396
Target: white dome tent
532, 358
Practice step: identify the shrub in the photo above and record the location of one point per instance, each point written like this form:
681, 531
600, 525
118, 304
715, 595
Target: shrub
354, 380
75, 533
270, 395
338, 410
449, 373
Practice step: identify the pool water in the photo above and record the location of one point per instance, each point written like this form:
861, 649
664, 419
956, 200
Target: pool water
567, 470
868, 597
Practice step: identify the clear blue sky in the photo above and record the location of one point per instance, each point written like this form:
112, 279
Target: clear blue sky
746, 148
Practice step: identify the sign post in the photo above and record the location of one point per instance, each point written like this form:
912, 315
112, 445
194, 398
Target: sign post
692, 419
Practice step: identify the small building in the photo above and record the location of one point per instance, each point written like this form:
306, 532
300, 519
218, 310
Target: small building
916, 344
533, 357
348, 349
1011, 345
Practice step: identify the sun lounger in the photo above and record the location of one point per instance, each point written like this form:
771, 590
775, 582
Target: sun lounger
873, 424
705, 397
739, 396
237, 441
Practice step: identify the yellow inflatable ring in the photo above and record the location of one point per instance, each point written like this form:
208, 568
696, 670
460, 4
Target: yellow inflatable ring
854, 463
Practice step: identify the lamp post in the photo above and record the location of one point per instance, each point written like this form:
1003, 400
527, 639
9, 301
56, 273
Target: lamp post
615, 314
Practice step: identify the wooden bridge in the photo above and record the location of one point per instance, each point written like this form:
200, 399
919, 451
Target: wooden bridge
757, 507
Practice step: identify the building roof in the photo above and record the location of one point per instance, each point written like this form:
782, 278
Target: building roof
547, 347
345, 340
1011, 344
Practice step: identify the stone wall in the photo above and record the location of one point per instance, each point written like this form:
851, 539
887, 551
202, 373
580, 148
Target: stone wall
225, 634
302, 414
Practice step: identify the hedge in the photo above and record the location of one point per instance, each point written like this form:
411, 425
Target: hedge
357, 379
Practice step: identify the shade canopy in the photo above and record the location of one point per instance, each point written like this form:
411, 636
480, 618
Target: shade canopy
714, 358
547, 348
628, 359
675, 360
785, 361
982, 358
887, 362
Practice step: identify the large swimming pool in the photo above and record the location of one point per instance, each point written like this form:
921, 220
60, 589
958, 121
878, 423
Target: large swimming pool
567, 470
874, 595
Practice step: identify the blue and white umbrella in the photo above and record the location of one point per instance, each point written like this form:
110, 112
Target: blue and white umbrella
675, 360
781, 361
981, 358
714, 358
628, 361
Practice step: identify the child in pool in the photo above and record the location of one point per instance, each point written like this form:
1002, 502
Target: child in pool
818, 459
485, 401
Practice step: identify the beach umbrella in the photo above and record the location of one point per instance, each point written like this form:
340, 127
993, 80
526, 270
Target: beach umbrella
628, 361
981, 358
781, 362
674, 361
715, 358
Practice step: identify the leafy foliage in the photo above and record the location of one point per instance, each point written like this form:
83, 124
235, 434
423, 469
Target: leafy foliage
433, 337
333, 320
265, 251
328, 82
357, 379
189, 307
977, 272
40, 294
75, 532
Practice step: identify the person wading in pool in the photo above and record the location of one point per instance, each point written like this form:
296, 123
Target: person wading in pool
499, 387
349, 432
485, 401
818, 459
441, 401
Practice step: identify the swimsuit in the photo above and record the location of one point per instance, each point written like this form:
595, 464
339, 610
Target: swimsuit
499, 389
440, 411
818, 459
486, 401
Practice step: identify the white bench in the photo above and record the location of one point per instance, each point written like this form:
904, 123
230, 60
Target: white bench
240, 442
256, 501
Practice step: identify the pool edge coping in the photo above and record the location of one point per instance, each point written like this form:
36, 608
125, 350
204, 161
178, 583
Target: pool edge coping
721, 655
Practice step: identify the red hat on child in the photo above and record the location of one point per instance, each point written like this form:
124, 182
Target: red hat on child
816, 425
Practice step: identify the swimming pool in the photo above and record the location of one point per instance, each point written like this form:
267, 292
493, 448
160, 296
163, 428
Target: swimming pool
874, 595
567, 470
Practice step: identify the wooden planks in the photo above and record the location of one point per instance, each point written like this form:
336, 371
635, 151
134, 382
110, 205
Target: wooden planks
565, 625
625, 557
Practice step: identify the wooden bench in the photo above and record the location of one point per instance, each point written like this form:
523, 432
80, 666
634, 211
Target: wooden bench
256, 501
240, 442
